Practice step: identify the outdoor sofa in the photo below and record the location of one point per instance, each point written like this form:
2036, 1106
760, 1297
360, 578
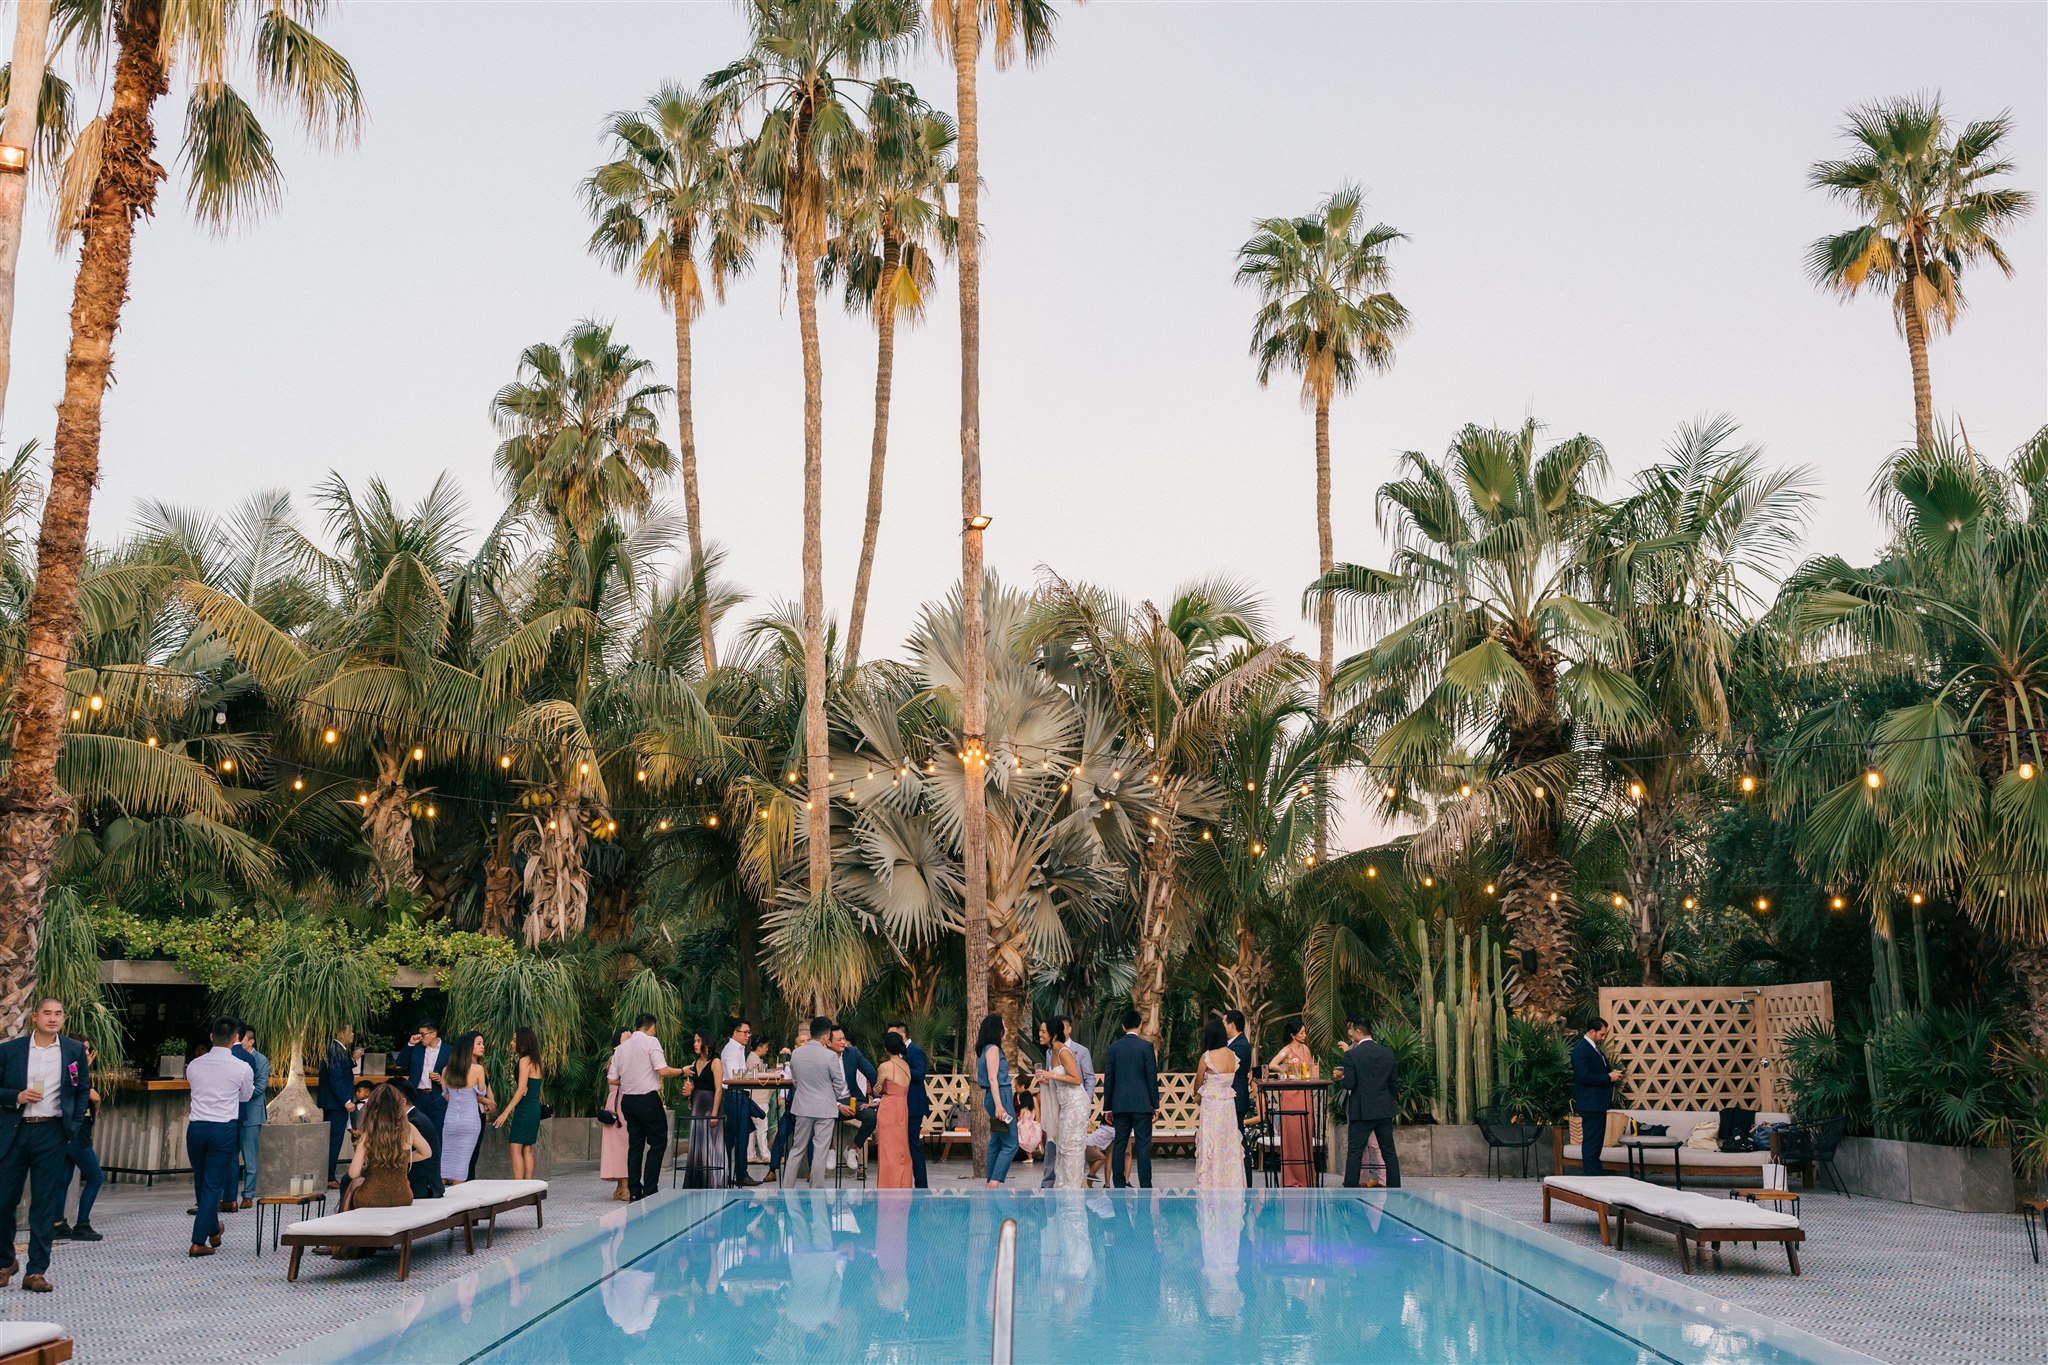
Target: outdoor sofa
460, 1209
1693, 1218
1687, 1162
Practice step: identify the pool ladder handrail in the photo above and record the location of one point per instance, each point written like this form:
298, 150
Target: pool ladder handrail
1005, 1293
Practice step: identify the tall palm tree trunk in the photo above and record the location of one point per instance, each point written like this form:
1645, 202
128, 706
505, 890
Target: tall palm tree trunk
885, 372
1648, 924
974, 720
24, 94
1155, 916
809, 231
2029, 961
32, 809
501, 887
686, 447
1915, 320
1326, 610
387, 822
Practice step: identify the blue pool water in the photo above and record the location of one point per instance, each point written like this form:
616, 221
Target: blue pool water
1119, 1276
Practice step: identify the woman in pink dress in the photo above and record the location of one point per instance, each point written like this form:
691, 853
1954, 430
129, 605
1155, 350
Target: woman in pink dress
892, 1124
611, 1157
1290, 1108
1219, 1142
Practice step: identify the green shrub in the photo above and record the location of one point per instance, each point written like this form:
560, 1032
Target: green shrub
1533, 1077
1825, 1074
1939, 1078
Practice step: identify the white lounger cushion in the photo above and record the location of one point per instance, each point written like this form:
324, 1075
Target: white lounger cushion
474, 1194
380, 1222
1605, 1188
19, 1336
1703, 1211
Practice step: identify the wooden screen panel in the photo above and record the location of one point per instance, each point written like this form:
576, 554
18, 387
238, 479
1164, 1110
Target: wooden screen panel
1706, 1047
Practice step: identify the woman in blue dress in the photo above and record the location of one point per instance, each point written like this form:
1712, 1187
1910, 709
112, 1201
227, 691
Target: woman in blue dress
468, 1097
998, 1099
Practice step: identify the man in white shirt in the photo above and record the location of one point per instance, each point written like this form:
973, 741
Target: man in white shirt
44, 1084
732, 1059
639, 1066
221, 1084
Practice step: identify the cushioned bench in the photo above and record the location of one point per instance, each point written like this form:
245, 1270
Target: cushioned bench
1695, 1161
463, 1207
1699, 1219
33, 1343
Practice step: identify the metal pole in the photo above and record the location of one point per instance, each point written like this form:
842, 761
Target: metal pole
1005, 1306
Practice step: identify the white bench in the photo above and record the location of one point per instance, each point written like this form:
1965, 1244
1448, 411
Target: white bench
461, 1208
1690, 1217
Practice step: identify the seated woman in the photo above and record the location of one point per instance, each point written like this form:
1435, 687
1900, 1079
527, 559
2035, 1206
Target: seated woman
386, 1148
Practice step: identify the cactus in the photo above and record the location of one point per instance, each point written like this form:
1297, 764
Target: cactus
1464, 1060
1425, 977
1439, 1108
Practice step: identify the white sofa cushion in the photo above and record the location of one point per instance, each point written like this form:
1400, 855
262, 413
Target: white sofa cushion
1702, 1211
379, 1222
20, 1336
1601, 1187
474, 1194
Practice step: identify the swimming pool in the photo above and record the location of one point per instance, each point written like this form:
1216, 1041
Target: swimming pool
1176, 1276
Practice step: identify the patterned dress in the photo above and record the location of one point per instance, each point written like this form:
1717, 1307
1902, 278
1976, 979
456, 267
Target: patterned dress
1219, 1142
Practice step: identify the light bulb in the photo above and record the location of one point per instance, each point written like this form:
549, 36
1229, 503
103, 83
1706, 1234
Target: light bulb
610, 826
1251, 786
710, 820
1691, 904
640, 775
1763, 902
363, 799
1154, 819
1489, 888
97, 701
551, 825
77, 714
792, 777
1748, 783
1063, 787
582, 769
764, 815
1619, 900
298, 784
1635, 790
151, 741
663, 824
432, 813
1310, 860
330, 735
418, 753
227, 765
1389, 791
1258, 849
2026, 772
1429, 881
1464, 789
1539, 793
1372, 871
1205, 836
1553, 898
1837, 902
504, 760
1116, 774
1918, 898
1873, 779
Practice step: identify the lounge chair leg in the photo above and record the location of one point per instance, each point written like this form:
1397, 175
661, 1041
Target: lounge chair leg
469, 1236
405, 1256
292, 1273
540, 1214
2033, 1238
1792, 1255
1684, 1257
1546, 1216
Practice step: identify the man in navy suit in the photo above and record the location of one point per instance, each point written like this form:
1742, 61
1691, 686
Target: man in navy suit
918, 1103
45, 1084
1372, 1097
1130, 1096
1593, 1081
417, 1071
335, 1094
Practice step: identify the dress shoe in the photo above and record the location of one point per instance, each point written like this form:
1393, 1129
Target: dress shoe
83, 1233
229, 1206
334, 1184
214, 1240
6, 1274
192, 1212
248, 1204
60, 1230
36, 1284
198, 1250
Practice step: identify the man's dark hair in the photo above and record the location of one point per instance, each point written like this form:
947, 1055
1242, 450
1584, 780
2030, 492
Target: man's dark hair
734, 1027
1234, 1018
821, 1027
641, 1021
361, 1086
226, 1031
898, 1025
1132, 1019
248, 1032
1361, 1023
428, 1025
1594, 1025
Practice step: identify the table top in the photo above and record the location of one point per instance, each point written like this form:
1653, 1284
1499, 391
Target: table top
1651, 1140
1295, 1083
1793, 1195
316, 1197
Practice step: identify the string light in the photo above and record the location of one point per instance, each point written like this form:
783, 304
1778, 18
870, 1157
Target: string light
1553, 898
1691, 904
709, 820
1251, 786
582, 769
1540, 793
227, 765
1918, 898
1635, 791
1489, 888
2026, 772
1258, 849
1371, 870
1873, 779
1836, 903
330, 735
151, 741
1429, 881
764, 815
98, 702
1390, 792
418, 753
77, 714
432, 813
1205, 836
298, 784
504, 760
1763, 902
363, 799
640, 775
1619, 900
1464, 789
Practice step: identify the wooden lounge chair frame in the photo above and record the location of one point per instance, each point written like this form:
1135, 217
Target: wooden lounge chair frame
1579, 1201
1711, 1238
490, 1212
403, 1240
42, 1353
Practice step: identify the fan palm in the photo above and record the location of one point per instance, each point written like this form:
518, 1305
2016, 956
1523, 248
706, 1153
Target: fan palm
110, 181
1956, 608
1325, 314
1927, 213
582, 440
1676, 562
889, 204
676, 191
807, 58
1485, 635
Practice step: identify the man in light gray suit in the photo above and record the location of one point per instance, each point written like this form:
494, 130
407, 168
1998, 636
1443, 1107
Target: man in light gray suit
817, 1099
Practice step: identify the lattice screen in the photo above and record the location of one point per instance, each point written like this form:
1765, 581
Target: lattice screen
1178, 1101
1707, 1047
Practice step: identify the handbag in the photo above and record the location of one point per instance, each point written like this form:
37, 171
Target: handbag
606, 1117
547, 1111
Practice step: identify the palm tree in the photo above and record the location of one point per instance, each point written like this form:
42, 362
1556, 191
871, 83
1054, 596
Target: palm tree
26, 85
807, 57
890, 207
1926, 213
1954, 615
582, 441
1487, 636
1176, 679
1325, 314
113, 174
1676, 562
673, 191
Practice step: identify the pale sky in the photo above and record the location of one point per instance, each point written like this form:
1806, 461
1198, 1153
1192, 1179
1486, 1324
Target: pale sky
1606, 207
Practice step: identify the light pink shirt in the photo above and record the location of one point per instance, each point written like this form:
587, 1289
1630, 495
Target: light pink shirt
637, 1064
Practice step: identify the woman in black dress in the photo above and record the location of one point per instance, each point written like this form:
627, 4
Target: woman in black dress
704, 1168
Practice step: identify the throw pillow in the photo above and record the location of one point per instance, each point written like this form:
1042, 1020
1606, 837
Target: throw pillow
1706, 1137
1575, 1131
1617, 1127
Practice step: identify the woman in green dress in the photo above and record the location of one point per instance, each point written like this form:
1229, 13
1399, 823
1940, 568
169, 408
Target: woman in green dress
523, 1112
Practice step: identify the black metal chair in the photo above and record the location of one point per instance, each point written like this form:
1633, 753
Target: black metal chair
1260, 1146
1504, 1135
1813, 1144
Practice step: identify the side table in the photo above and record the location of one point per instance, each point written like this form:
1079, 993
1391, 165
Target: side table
272, 1206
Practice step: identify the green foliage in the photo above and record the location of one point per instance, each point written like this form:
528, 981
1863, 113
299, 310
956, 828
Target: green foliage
1534, 1080
1939, 1077
496, 995
68, 967
304, 988
1826, 1075
1414, 1068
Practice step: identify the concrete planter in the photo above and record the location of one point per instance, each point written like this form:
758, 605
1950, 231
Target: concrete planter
1971, 1179
494, 1156
1459, 1149
287, 1150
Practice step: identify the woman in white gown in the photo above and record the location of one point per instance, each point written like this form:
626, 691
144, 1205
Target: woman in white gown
1064, 1109
1219, 1142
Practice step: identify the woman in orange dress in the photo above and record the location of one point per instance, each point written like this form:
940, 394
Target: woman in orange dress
892, 1124
1291, 1112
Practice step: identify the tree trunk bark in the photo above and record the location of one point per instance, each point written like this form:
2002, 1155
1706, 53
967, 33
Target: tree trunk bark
501, 889
32, 808
18, 129
885, 370
974, 838
808, 243
1326, 611
1648, 925
746, 945
1155, 917
387, 822
686, 447
2030, 965
1916, 353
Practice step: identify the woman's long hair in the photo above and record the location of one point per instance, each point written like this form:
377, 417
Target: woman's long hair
385, 1145
1213, 1035
989, 1035
461, 1057
524, 1044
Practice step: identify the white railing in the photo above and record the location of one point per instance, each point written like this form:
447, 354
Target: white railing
1004, 1310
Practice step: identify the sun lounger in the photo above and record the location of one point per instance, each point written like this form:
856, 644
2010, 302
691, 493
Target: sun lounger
1705, 1221
1594, 1193
33, 1343
463, 1207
